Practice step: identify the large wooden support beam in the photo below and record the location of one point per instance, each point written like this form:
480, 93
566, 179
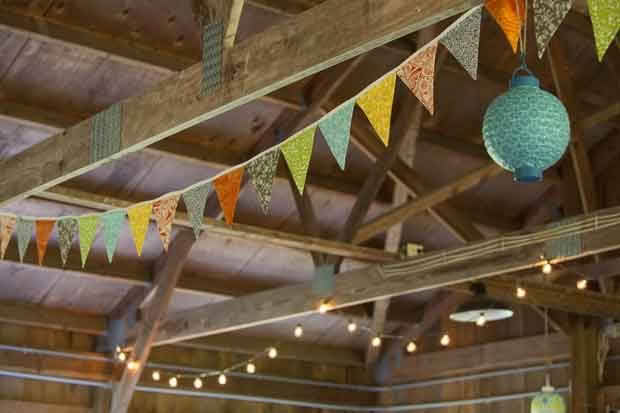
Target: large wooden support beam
265, 62
373, 283
585, 364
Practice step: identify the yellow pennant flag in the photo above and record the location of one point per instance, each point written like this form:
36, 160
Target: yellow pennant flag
376, 103
139, 216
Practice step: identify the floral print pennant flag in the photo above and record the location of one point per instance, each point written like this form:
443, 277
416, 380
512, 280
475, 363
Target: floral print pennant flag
463, 42
7, 226
418, 73
164, 211
44, 228
67, 230
262, 171
227, 188
195, 200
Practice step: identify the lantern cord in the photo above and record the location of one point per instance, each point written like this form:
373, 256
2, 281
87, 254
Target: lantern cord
522, 14
547, 357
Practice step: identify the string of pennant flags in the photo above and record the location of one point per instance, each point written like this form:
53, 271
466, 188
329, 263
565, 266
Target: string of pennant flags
417, 72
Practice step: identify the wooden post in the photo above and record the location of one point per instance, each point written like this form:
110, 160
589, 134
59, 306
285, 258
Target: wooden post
585, 365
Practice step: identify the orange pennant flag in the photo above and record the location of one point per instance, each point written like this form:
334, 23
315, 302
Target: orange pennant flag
44, 229
510, 15
227, 188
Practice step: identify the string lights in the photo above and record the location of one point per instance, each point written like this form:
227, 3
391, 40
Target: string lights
582, 284
445, 340
299, 331
351, 326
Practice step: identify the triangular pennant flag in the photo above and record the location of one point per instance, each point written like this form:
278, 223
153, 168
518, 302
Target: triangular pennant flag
605, 15
112, 222
262, 171
463, 41
24, 233
67, 230
336, 129
7, 226
227, 188
87, 225
297, 151
548, 15
195, 200
44, 229
510, 15
376, 103
164, 211
139, 216
418, 73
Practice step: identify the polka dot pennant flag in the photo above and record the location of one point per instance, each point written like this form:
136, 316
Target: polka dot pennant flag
24, 233
336, 129
87, 228
463, 42
7, 226
112, 222
195, 200
376, 103
418, 73
297, 152
44, 228
510, 15
139, 216
548, 15
262, 171
67, 230
164, 211
605, 15
227, 188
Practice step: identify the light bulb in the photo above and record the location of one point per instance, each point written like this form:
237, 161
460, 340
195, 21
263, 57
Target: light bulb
411, 347
133, 365
221, 379
173, 382
156, 376
521, 292
121, 356
250, 368
323, 308
197, 383
445, 340
376, 341
582, 284
546, 268
272, 353
481, 320
351, 327
299, 331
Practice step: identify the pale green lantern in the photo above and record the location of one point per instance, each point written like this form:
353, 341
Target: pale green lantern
548, 400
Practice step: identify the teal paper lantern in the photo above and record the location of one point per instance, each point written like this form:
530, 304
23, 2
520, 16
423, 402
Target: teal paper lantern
526, 130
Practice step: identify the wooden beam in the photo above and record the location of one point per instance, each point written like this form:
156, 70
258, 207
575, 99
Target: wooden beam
166, 277
372, 283
32, 407
585, 364
270, 60
377, 326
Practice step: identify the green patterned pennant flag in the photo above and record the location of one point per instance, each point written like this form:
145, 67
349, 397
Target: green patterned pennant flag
139, 216
24, 233
463, 41
605, 15
262, 171
88, 230
67, 230
195, 200
297, 152
112, 223
336, 129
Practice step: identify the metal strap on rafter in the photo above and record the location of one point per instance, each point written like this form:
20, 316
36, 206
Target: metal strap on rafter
105, 133
212, 49
568, 246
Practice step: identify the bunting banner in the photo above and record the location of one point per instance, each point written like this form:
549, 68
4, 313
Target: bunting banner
463, 42
139, 216
164, 211
67, 230
548, 15
510, 15
227, 188
262, 171
418, 74
195, 200
87, 228
112, 222
376, 102
605, 15
24, 230
7, 226
297, 152
44, 228
336, 130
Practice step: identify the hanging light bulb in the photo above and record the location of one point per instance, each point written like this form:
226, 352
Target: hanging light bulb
411, 347
250, 368
272, 353
156, 376
445, 340
121, 356
481, 320
351, 327
546, 268
133, 366
299, 331
376, 341
521, 293
323, 308
197, 383
173, 382
221, 379
582, 284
